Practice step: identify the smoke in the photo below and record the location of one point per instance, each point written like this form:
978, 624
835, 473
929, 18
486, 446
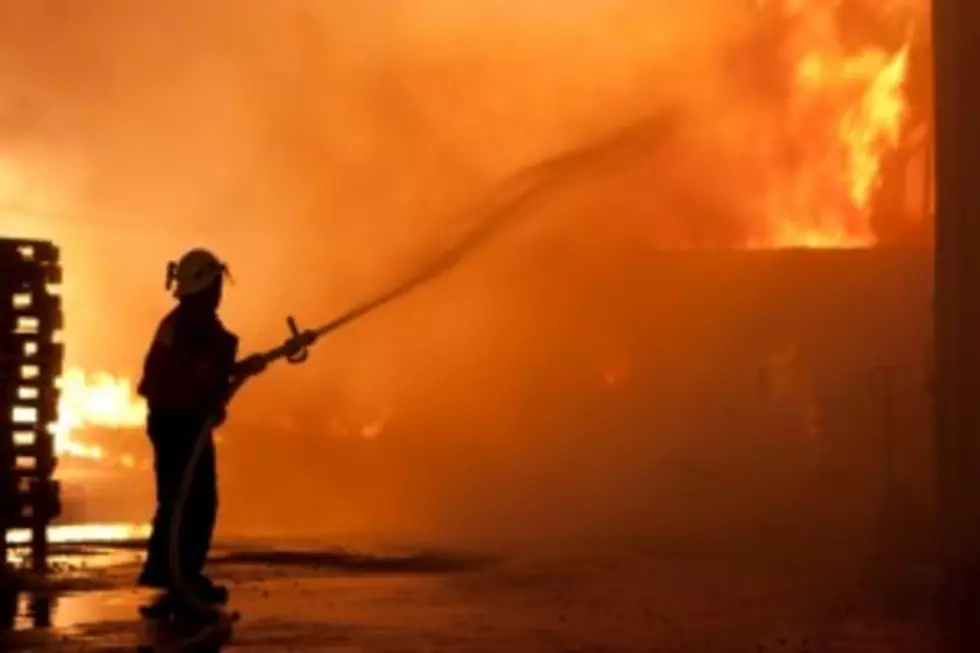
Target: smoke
327, 149
343, 134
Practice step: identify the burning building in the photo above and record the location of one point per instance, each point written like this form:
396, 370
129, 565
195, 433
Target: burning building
744, 265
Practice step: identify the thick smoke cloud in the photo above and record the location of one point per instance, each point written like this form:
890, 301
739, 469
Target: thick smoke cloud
326, 149
322, 147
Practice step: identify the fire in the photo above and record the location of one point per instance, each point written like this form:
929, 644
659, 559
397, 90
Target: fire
18, 539
80, 533
94, 400
844, 112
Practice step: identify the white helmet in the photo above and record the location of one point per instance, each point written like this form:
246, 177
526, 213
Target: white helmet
194, 272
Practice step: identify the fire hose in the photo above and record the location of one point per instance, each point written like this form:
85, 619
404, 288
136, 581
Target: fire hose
539, 178
295, 350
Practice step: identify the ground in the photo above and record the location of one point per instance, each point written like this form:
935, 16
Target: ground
619, 600
625, 600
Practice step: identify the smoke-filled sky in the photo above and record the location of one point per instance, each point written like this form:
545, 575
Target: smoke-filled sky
315, 141
326, 148
308, 142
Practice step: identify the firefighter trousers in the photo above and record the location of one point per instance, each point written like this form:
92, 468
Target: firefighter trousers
173, 435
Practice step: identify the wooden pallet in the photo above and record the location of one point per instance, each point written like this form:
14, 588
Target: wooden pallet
30, 364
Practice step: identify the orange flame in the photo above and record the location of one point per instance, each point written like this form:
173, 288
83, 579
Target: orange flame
94, 400
76, 533
844, 114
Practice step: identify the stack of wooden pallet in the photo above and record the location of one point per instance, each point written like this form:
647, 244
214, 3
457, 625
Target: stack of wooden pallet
30, 364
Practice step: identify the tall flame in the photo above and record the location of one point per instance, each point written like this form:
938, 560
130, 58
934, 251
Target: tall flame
845, 112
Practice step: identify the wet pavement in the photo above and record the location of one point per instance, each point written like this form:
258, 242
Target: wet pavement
311, 600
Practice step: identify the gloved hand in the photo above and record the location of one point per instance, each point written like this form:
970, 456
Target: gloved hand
254, 364
295, 347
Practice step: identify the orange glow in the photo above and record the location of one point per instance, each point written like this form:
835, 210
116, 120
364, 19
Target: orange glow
615, 375
844, 112
75, 533
94, 400
373, 429
790, 389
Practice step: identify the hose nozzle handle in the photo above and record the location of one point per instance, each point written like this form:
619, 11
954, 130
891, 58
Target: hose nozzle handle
299, 341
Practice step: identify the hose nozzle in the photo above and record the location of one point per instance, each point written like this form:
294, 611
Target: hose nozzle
298, 342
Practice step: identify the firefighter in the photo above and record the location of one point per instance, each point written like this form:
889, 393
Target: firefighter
187, 375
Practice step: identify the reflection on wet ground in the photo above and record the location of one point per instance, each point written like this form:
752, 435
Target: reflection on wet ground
23, 610
88, 598
315, 600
